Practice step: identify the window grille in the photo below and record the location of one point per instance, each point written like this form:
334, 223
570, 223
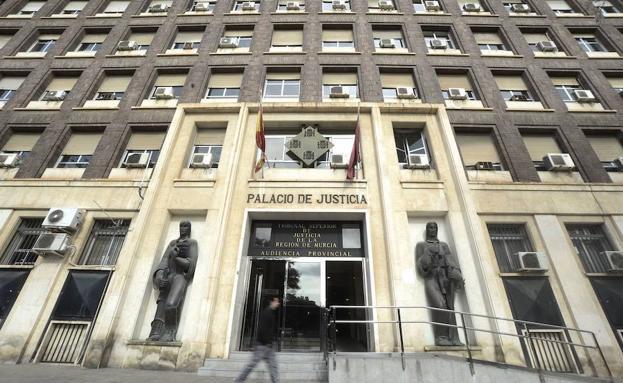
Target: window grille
19, 251
590, 241
105, 242
508, 240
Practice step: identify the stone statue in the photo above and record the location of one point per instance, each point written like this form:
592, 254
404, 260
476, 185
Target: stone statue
442, 275
174, 272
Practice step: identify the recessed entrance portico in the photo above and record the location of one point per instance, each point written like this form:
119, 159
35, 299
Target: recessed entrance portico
310, 266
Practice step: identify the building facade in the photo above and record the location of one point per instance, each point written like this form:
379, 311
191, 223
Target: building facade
499, 121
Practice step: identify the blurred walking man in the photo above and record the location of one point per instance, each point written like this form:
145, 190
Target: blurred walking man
264, 344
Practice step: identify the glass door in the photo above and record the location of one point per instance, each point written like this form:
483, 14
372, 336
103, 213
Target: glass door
302, 305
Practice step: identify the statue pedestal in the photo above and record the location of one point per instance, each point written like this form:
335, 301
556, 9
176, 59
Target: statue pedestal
152, 355
460, 351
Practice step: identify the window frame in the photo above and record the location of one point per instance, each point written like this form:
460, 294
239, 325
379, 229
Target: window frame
27, 230
283, 85
197, 150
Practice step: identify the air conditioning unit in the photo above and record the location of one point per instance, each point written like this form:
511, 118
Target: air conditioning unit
228, 42
484, 165
619, 163
188, 46
385, 4
471, 7
531, 261
337, 162
439, 44
547, 46
614, 259
387, 43
293, 6
457, 94
248, 6
202, 7
164, 93
127, 45
558, 162
201, 160
63, 218
405, 93
105, 96
8, 160
338, 5
56, 95
582, 95
52, 243
518, 97
417, 161
158, 8
432, 5
521, 8
338, 92
136, 160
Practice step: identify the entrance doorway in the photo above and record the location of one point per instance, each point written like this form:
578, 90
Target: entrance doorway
306, 287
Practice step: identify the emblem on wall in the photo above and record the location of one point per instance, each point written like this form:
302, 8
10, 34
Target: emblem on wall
309, 145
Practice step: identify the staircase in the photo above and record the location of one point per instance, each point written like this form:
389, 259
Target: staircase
293, 367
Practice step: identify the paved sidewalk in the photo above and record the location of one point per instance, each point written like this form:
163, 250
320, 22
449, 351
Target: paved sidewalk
37, 373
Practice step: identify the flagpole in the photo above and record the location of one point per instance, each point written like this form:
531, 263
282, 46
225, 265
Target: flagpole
262, 116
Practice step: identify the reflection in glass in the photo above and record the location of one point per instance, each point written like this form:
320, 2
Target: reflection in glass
262, 235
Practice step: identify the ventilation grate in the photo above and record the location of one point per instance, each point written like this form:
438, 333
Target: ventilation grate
63, 342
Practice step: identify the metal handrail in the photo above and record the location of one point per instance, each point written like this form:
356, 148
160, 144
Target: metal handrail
331, 322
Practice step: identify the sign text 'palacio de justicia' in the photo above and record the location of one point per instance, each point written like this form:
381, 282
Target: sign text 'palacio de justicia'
322, 199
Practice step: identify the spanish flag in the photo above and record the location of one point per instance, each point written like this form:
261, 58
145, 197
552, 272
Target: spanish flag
260, 140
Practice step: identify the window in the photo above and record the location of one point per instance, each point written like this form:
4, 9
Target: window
490, 42
566, 87
105, 242
224, 85
59, 84
589, 242
420, 7
116, 7
456, 80
532, 300
30, 8
73, 8
8, 86
478, 147
533, 38
44, 43
209, 141
204, 6
174, 82
21, 143
589, 42
378, 6
408, 142
609, 291
282, 85
144, 142
81, 295
282, 6
287, 39
392, 82
606, 7
187, 40
19, 251
608, 148
91, 42
112, 87
332, 6
11, 282
508, 240
382, 37
78, 150
615, 82
346, 80
246, 6
446, 36
539, 145
514, 88
277, 153
337, 39
560, 7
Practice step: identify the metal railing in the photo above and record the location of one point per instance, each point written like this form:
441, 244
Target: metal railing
543, 351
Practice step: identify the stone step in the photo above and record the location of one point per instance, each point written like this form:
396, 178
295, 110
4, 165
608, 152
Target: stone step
289, 366
294, 376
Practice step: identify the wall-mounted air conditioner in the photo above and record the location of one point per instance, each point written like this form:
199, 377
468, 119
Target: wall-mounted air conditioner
158, 8
387, 43
136, 160
520, 8
417, 161
614, 259
582, 95
8, 160
547, 46
457, 94
56, 95
338, 92
201, 160
558, 162
439, 44
52, 243
532, 261
432, 6
405, 93
337, 162
63, 218
471, 7
228, 42
127, 45
164, 93
484, 165
386, 5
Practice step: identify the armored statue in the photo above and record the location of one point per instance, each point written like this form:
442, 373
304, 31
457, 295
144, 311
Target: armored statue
172, 276
442, 276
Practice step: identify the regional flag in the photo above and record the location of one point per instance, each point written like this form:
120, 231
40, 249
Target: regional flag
354, 154
260, 140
